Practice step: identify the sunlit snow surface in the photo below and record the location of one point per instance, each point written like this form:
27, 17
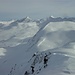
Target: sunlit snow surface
20, 39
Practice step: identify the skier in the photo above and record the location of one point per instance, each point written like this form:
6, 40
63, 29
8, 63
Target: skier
26, 73
34, 55
32, 67
45, 60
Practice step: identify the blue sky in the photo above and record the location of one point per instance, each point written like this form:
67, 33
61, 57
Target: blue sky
16, 9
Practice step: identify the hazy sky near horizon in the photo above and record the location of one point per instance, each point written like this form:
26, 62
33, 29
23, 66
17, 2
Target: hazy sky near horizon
16, 9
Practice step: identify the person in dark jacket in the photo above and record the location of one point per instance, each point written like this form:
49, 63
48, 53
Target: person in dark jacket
45, 60
32, 67
26, 73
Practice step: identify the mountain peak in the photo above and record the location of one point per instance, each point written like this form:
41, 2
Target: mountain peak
26, 19
52, 16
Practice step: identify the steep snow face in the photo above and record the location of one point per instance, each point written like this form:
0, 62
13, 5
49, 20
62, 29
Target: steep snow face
22, 38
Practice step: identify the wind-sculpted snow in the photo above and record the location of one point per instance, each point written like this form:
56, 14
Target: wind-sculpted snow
21, 39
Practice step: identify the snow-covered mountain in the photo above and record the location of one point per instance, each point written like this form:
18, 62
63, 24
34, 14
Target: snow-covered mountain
21, 39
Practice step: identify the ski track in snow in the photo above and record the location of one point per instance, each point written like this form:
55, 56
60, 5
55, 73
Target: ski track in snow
41, 42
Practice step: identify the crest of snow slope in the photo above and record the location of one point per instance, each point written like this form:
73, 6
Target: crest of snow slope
55, 37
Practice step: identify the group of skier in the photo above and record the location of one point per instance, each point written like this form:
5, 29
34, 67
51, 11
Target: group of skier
45, 60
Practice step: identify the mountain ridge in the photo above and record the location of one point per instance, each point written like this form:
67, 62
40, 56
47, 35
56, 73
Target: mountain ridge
50, 17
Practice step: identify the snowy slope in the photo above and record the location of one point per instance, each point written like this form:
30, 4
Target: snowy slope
20, 39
